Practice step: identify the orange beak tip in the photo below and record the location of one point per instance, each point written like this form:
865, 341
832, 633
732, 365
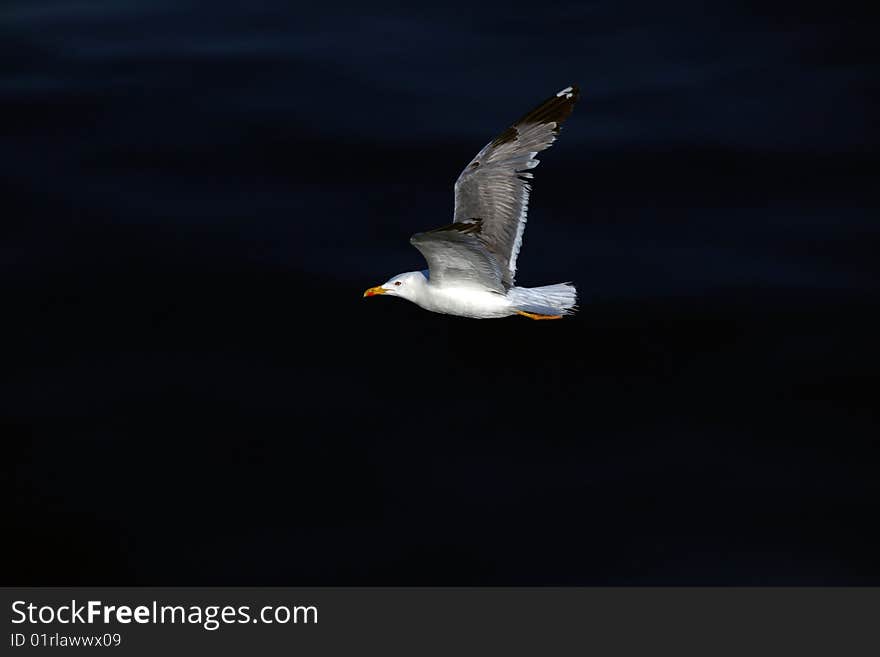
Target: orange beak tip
373, 291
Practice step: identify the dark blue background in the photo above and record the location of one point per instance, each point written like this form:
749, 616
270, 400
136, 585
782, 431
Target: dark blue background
195, 195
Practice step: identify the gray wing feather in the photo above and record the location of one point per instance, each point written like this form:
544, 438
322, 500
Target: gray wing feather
494, 186
456, 256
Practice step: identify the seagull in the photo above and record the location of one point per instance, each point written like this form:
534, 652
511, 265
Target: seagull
472, 261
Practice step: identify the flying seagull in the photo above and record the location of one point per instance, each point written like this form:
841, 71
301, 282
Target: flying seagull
472, 261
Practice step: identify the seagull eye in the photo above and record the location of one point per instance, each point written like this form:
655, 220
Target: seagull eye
397, 283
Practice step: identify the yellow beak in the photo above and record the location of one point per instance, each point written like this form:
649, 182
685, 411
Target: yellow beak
373, 291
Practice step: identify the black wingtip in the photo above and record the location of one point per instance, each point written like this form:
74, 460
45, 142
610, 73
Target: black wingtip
555, 109
472, 226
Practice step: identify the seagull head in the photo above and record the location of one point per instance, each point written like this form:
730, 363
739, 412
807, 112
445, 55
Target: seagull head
406, 285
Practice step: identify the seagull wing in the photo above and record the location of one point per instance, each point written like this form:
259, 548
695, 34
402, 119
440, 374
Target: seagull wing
457, 256
495, 187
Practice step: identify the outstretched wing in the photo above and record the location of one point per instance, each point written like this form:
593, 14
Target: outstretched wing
494, 187
457, 256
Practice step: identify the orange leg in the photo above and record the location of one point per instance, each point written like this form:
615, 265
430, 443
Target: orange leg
537, 316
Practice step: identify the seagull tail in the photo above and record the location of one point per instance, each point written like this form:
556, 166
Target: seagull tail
559, 299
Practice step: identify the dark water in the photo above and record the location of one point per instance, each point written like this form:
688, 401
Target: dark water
196, 194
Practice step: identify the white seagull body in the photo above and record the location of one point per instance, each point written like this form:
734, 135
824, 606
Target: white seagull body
472, 261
